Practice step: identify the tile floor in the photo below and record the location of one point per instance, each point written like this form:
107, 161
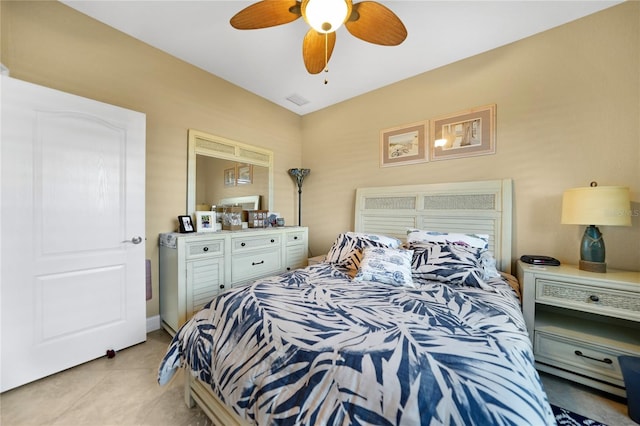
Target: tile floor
104, 392
123, 392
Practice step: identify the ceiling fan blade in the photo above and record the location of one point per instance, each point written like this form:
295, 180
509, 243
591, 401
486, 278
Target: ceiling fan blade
371, 21
266, 13
314, 50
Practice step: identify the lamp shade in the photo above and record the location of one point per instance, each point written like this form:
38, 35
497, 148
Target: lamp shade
597, 205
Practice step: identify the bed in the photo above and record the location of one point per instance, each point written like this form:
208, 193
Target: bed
412, 319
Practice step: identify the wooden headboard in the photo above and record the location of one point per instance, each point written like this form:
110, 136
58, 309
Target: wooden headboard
483, 207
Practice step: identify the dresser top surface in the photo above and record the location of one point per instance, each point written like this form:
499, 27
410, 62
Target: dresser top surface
168, 239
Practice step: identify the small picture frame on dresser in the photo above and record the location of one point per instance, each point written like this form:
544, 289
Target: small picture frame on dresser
186, 224
205, 221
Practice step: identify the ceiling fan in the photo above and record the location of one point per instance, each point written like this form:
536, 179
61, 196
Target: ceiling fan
368, 20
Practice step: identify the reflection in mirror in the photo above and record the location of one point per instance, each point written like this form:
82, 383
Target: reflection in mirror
220, 168
217, 179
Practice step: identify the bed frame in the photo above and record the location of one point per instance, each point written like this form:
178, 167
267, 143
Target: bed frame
465, 207
483, 207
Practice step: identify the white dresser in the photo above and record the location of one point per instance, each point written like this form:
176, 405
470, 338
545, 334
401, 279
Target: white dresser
580, 322
195, 267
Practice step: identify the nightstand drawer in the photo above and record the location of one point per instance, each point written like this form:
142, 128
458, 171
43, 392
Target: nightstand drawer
579, 356
589, 298
205, 248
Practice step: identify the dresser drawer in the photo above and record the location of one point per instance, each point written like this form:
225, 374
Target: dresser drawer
579, 356
255, 264
204, 248
595, 299
255, 242
295, 237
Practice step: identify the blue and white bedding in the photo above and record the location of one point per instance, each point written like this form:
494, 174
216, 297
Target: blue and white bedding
315, 347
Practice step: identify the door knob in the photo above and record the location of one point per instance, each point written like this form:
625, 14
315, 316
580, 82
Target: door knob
134, 240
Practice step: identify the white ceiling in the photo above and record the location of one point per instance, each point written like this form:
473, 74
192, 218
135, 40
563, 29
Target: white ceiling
268, 62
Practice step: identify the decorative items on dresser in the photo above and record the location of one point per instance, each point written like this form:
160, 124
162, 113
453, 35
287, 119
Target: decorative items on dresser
196, 267
580, 322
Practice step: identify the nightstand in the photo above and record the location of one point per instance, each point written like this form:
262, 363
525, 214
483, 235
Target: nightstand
580, 322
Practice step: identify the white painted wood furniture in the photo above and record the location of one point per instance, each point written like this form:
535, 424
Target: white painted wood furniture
73, 244
195, 267
481, 207
580, 322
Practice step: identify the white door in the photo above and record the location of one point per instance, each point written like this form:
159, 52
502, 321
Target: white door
72, 230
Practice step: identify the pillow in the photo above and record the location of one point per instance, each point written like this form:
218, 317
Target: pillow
451, 263
480, 241
346, 251
488, 263
386, 265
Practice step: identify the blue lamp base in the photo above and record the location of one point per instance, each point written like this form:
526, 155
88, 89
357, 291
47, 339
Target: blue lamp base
592, 252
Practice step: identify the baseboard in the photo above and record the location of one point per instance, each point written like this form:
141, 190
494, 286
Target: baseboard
153, 323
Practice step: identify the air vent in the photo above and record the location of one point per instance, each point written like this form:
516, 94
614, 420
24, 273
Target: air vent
297, 99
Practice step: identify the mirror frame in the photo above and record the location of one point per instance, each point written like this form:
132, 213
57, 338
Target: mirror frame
201, 143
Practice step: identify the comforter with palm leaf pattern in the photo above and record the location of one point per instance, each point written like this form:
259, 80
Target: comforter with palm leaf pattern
313, 347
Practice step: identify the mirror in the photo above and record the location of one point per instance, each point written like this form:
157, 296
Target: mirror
220, 169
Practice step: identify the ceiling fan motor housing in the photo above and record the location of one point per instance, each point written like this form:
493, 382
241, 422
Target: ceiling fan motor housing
326, 16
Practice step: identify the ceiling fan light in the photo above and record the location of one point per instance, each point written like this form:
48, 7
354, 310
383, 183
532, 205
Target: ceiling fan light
325, 16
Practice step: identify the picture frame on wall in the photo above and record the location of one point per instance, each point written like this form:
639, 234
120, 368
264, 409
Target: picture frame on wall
186, 224
464, 134
206, 221
245, 174
402, 145
230, 176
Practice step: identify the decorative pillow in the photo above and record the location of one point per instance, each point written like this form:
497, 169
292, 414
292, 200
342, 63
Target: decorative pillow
386, 265
451, 263
480, 241
346, 251
488, 263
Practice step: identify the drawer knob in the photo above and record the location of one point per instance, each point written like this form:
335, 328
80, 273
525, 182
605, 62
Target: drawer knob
604, 360
295, 238
594, 298
205, 249
221, 286
273, 241
243, 244
257, 263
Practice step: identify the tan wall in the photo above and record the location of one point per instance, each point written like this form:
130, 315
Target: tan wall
568, 112
51, 44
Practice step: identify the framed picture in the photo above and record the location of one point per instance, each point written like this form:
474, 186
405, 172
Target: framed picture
186, 225
245, 174
230, 176
464, 134
404, 145
206, 221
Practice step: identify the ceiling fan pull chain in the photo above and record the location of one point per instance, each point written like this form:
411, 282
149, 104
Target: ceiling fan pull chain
326, 54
